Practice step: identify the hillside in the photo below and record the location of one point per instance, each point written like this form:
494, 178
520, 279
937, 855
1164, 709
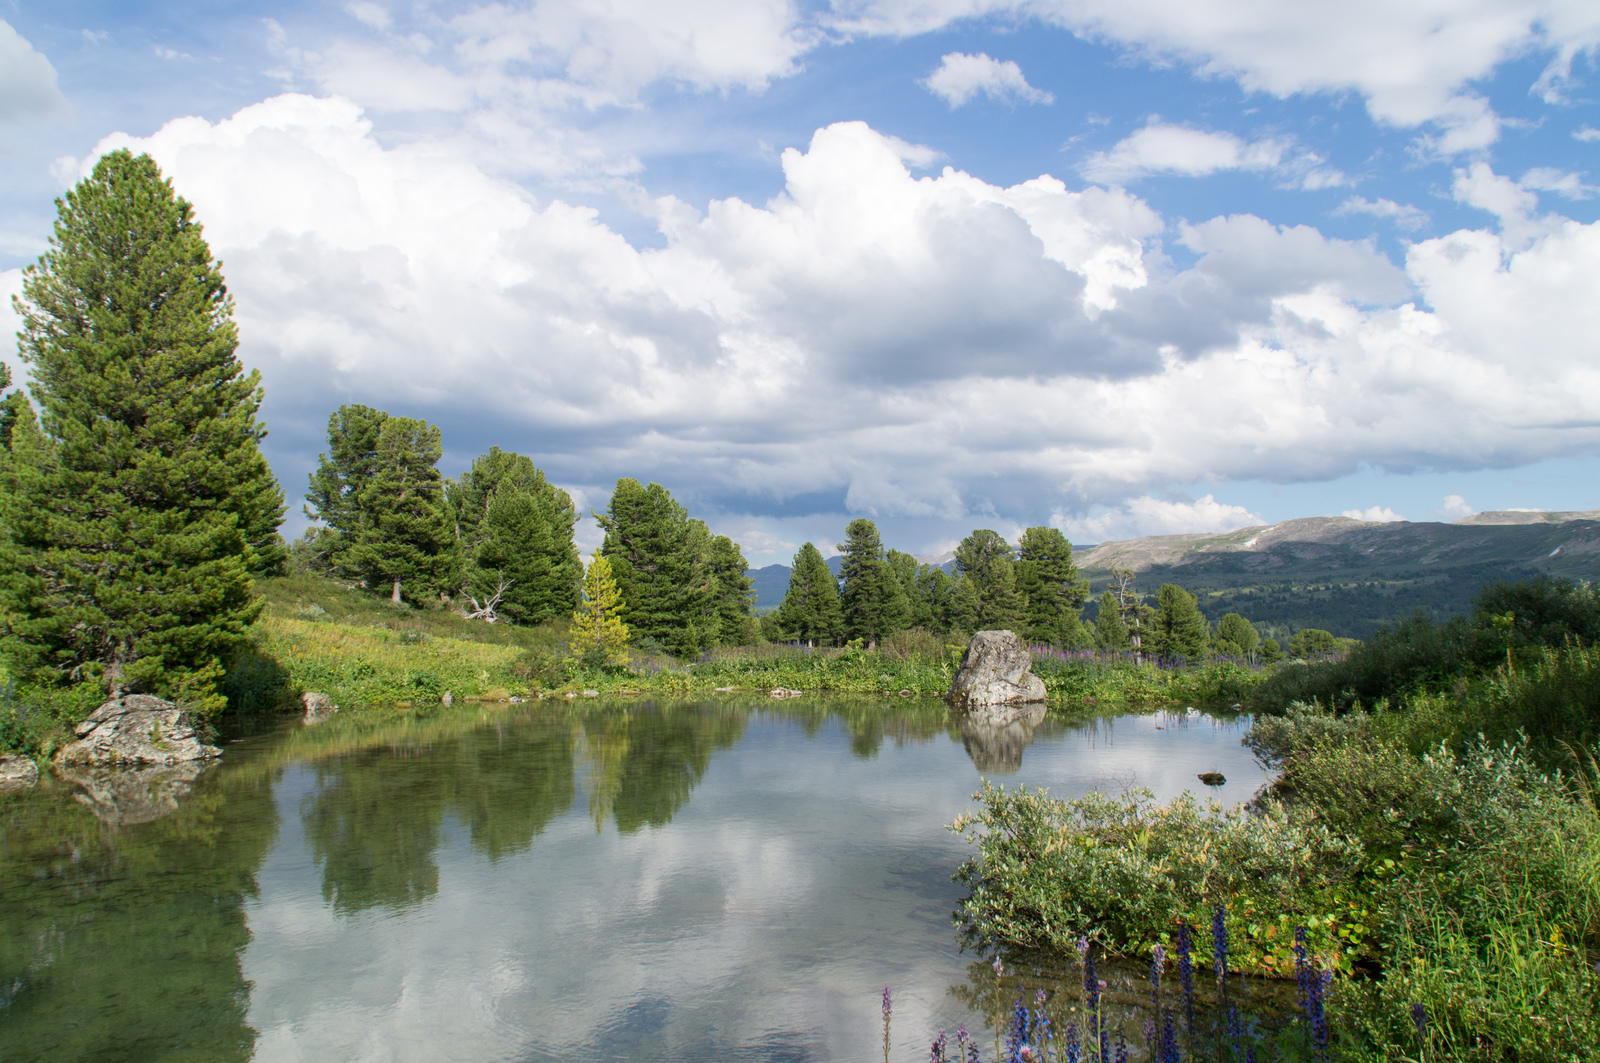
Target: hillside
1351, 576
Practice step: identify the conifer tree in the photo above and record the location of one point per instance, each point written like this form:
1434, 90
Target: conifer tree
810, 609
1049, 582
1110, 633
934, 604
406, 541
660, 558
872, 604
343, 474
1236, 636
733, 593
140, 505
1180, 628
515, 532
597, 625
986, 595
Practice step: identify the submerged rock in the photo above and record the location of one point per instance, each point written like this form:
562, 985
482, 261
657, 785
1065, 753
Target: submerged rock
996, 673
136, 729
17, 773
318, 707
122, 797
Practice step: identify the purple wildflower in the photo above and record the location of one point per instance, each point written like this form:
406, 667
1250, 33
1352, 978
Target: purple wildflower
1122, 1048
1186, 970
1219, 947
1419, 1016
936, 1054
1074, 1051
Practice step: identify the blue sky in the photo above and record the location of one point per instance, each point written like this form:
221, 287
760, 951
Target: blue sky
1126, 267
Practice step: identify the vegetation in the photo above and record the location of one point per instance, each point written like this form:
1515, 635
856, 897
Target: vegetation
597, 627
811, 610
139, 507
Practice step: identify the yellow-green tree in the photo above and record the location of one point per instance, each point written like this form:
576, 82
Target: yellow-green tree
597, 626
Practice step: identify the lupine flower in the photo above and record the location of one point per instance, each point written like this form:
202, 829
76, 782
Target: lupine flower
1017, 1037
1419, 1016
1219, 947
964, 1050
1074, 1052
1122, 1048
887, 1007
936, 1054
1186, 970
999, 967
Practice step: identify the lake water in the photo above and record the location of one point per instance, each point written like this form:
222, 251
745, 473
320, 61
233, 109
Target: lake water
727, 880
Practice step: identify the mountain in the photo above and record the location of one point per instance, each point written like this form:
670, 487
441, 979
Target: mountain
1350, 576
772, 583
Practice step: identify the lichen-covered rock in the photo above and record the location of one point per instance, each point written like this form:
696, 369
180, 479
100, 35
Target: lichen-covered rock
318, 706
136, 729
996, 670
17, 773
124, 796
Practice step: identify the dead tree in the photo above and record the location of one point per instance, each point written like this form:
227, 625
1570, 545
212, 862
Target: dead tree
486, 610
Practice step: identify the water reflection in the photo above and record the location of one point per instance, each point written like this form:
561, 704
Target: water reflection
996, 746
684, 881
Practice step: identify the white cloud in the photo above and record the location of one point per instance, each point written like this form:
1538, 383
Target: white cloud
1454, 508
1586, 134
873, 341
27, 81
1144, 515
1375, 514
1160, 148
960, 77
1563, 183
1404, 215
371, 14
1414, 63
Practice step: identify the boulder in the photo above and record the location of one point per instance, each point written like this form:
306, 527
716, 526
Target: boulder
124, 796
318, 707
996, 748
136, 729
995, 676
17, 773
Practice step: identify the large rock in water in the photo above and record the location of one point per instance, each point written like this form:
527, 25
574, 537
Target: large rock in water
123, 796
996, 748
136, 729
996, 673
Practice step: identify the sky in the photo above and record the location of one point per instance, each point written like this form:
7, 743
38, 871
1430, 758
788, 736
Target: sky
1123, 267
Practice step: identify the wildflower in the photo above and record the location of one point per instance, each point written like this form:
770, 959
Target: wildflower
1219, 947
936, 1054
1186, 970
1419, 1016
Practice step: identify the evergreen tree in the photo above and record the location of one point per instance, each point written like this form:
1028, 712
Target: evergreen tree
1053, 592
934, 603
1312, 642
515, 533
810, 609
660, 558
1271, 652
343, 475
1236, 636
986, 590
733, 593
406, 541
1110, 633
1180, 628
872, 604
597, 625
141, 504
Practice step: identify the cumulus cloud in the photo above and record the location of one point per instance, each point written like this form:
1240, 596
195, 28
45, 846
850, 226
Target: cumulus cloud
1160, 148
1414, 63
876, 342
1374, 514
1153, 516
27, 81
1562, 182
1404, 215
960, 77
1586, 134
1454, 508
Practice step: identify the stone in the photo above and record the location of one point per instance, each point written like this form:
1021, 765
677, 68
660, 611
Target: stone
591, 693
785, 692
17, 773
318, 706
124, 796
136, 729
995, 676
448, 699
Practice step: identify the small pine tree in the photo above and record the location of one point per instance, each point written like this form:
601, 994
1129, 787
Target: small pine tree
138, 508
597, 626
1110, 633
1180, 628
1236, 636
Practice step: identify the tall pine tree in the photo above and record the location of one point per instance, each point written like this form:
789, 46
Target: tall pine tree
345, 471
1180, 628
810, 609
732, 593
1053, 592
872, 603
986, 595
139, 508
660, 558
406, 542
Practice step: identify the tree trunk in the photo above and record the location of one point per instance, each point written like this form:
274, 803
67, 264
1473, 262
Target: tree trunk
396, 596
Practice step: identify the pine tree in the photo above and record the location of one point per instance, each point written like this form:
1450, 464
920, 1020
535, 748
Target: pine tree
515, 528
1180, 628
660, 558
732, 593
1236, 636
343, 474
986, 590
1110, 633
810, 609
406, 541
597, 625
141, 504
872, 603
933, 606
1049, 581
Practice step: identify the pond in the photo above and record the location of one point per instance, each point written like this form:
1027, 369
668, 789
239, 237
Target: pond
732, 880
